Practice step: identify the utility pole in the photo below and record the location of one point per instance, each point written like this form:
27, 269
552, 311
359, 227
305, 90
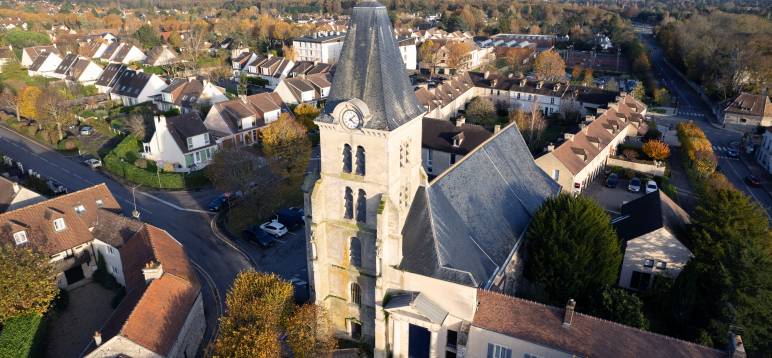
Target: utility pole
135, 212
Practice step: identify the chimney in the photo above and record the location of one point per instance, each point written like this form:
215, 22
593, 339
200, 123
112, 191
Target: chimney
557, 87
550, 147
568, 136
510, 75
486, 74
460, 121
539, 84
97, 338
523, 82
496, 128
589, 118
583, 127
736, 346
243, 98
568, 316
152, 270
16, 188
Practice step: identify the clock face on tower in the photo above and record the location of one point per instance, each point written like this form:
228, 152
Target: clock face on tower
351, 119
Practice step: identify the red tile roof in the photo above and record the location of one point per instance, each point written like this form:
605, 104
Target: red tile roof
586, 336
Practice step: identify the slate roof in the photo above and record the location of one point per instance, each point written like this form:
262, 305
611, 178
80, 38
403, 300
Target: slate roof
40, 60
300, 68
233, 111
185, 126
185, 92
462, 232
155, 54
370, 68
438, 134
67, 62
131, 83
77, 69
587, 336
320, 68
111, 74
649, 213
111, 50
594, 95
750, 104
34, 51
420, 303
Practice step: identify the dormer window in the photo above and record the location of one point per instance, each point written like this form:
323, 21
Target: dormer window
20, 237
80, 209
100, 203
59, 225
458, 139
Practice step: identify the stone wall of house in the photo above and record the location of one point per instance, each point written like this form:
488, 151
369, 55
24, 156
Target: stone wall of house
191, 332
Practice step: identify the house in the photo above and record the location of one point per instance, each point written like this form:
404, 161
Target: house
93, 49
181, 143
507, 326
444, 143
448, 98
45, 65
252, 67
748, 111
409, 52
29, 54
109, 77
123, 52
240, 62
582, 155
14, 196
322, 47
74, 68
274, 69
306, 89
189, 94
764, 151
473, 58
134, 87
381, 228
238, 121
649, 227
161, 56
521, 93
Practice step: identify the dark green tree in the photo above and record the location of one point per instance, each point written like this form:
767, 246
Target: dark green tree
621, 306
728, 284
572, 250
147, 36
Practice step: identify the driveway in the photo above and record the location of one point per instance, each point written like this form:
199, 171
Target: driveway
611, 199
72, 329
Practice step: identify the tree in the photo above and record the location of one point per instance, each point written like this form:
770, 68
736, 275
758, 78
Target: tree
11, 99
661, 97
309, 332
639, 92
480, 110
549, 66
147, 36
306, 114
531, 125
175, 40
612, 85
287, 148
288, 52
576, 72
587, 77
572, 249
630, 154
428, 53
236, 169
656, 149
618, 305
52, 112
26, 281
137, 125
457, 53
29, 101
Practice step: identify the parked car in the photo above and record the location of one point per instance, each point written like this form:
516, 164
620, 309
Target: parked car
217, 203
274, 228
258, 235
732, 153
93, 163
56, 187
301, 290
612, 180
753, 181
635, 185
290, 217
651, 186
86, 130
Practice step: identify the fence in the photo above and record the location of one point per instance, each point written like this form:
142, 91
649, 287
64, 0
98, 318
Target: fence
638, 166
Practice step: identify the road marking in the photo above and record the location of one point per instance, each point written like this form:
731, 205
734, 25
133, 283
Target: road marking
217, 234
749, 189
172, 204
217, 300
131, 204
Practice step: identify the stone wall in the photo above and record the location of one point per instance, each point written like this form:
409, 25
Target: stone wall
648, 168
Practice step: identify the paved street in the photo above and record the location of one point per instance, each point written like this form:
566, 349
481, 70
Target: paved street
691, 107
216, 261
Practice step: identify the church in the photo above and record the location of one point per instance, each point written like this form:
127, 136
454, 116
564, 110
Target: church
398, 259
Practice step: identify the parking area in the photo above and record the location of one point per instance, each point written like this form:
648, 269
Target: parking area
71, 330
612, 199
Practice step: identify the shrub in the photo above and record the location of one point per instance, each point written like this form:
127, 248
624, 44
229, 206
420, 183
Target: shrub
30, 131
70, 144
20, 335
140, 163
61, 301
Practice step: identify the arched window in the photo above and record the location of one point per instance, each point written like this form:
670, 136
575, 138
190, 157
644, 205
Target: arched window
346, 158
362, 206
355, 252
356, 294
360, 160
348, 204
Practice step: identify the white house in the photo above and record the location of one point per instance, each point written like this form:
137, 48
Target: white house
305, 89
109, 77
14, 196
649, 227
122, 52
180, 143
319, 47
134, 87
29, 54
240, 62
274, 69
188, 94
161, 56
84, 71
237, 122
409, 52
45, 65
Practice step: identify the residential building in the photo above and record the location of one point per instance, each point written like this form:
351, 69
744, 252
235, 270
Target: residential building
319, 47
237, 122
377, 227
582, 155
109, 77
521, 93
252, 67
74, 68
93, 49
448, 98
409, 52
134, 87
14, 196
45, 64
123, 52
161, 56
506, 326
764, 151
306, 89
649, 228
181, 143
748, 111
444, 143
29, 54
473, 58
189, 94
273, 70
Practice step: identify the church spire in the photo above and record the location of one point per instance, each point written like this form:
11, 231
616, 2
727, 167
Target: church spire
370, 68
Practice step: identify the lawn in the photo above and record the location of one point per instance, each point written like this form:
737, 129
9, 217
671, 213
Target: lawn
13, 71
22, 336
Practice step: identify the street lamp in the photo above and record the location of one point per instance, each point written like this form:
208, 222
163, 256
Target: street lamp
135, 212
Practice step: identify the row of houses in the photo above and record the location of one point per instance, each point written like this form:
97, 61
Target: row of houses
325, 47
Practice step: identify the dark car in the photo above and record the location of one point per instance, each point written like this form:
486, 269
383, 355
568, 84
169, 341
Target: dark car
290, 217
258, 235
612, 180
733, 153
753, 181
217, 203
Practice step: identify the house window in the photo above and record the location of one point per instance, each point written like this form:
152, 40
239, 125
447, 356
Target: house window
497, 351
661, 265
59, 224
20, 237
362, 206
552, 100
452, 338
360, 160
80, 209
348, 204
206, 138
346, 158
190, 142
197, 156
640, 280
355, 252
648, 263
100, 203
356, 329
356, 294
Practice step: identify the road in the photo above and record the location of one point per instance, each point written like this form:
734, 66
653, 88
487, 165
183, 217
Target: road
217, 261
692, 107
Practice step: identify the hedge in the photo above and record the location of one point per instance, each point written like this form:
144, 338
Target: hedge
22, 336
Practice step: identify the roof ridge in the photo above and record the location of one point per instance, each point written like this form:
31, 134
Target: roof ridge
605, 321
49, 200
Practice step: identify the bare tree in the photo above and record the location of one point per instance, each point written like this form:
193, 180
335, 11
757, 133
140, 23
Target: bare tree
136, 125
11, 99
53, 112
531, 124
